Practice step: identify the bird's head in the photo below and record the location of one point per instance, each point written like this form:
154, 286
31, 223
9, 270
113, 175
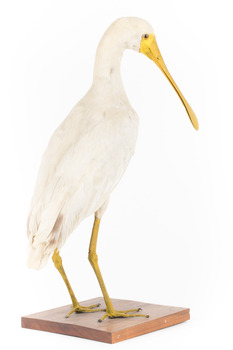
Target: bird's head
137, 34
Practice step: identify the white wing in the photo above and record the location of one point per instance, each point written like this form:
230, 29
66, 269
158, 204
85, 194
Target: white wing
85, 159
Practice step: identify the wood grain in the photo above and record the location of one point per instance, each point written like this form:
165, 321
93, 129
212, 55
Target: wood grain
86, 325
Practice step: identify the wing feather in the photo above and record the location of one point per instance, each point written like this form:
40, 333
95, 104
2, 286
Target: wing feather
85, 159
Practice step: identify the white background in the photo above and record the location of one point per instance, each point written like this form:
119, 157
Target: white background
166, 237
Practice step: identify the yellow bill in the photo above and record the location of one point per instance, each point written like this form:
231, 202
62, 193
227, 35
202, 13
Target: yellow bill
150, 48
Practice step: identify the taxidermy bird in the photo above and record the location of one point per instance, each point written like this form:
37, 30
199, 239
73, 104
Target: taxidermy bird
88, 154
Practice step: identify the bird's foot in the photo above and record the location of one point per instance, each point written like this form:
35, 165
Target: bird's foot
79, 308
122, 314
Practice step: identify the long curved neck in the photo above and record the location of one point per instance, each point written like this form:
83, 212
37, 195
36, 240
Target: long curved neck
107, 69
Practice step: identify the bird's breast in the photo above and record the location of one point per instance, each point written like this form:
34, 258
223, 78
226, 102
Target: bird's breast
117, 144
121, 129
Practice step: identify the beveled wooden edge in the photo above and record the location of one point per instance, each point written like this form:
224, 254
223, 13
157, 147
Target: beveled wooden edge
151, 326
66, 329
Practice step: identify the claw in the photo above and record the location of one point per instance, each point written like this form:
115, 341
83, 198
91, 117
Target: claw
78, 309
117, 314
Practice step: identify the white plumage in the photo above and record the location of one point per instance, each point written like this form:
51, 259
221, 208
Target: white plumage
89, 152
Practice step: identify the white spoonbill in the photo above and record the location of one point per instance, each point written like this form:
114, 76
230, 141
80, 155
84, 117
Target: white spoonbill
88, 154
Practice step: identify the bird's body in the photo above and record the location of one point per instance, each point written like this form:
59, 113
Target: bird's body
85, 159
89, 152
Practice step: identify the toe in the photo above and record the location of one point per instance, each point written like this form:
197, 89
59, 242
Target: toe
122, 314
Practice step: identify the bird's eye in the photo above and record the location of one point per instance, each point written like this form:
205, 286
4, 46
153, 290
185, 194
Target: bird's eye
145, 36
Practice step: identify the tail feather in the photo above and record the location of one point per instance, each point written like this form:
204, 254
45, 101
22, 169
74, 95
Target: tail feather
46, 236
37, 258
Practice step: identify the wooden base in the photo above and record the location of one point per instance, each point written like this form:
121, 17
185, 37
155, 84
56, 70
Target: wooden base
86, 325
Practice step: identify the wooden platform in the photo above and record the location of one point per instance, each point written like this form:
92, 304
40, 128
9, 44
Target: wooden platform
86, 325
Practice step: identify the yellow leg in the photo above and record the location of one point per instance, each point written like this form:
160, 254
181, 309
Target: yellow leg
93, 258
76, 306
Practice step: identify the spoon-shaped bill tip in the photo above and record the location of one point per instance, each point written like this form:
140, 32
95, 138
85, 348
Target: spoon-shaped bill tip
150, 48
